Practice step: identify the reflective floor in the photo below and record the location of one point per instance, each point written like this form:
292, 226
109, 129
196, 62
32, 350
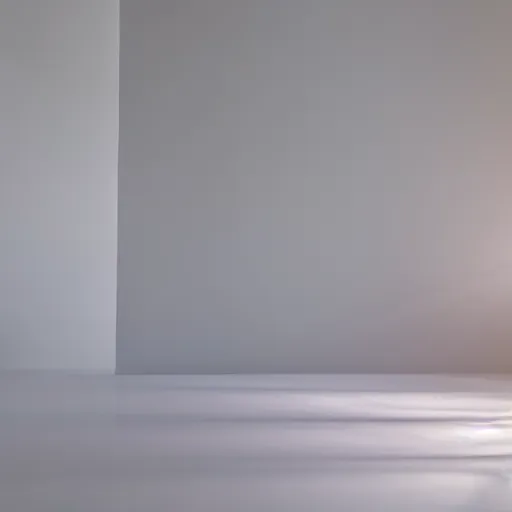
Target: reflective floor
261, 443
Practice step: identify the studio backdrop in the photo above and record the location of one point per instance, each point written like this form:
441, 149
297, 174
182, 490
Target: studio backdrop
315, 186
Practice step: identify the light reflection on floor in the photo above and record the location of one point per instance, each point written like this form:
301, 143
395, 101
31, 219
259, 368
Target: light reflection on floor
95, 443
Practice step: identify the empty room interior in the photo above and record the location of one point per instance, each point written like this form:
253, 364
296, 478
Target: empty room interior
255, 255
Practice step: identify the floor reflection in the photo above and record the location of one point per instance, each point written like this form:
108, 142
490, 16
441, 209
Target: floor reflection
254, 443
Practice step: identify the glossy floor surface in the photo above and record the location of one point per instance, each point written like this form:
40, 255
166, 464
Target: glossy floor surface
78, 443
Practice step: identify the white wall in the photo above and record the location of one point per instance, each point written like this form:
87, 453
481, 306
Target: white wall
58, 183
314, 185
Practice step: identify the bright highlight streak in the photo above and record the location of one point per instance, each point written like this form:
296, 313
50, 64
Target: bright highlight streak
482, 432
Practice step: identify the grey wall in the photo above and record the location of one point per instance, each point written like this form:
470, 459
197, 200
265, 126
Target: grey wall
315, 186
58, 183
